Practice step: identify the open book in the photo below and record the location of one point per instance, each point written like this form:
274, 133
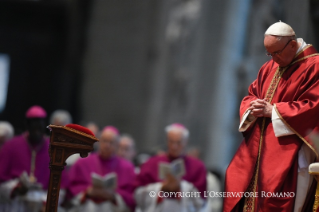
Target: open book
108, 181
175, 168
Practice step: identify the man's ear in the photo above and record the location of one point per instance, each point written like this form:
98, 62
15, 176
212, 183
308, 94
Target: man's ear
294, 43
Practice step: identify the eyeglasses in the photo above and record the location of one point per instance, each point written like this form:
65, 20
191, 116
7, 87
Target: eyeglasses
278, 52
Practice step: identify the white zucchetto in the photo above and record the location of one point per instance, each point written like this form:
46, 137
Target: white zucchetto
280, 29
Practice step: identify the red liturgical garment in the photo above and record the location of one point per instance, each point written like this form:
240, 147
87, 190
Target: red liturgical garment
265, 163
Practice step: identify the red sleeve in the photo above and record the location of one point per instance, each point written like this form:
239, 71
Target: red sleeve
252, 95
256, 87
302, 114
254, 90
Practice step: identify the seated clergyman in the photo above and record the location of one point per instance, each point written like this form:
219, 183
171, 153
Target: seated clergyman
102, 181
185, 178
24, 166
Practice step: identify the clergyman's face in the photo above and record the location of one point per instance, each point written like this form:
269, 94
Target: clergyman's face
175, 143
126, 148
285, 46
107, 144
36, 129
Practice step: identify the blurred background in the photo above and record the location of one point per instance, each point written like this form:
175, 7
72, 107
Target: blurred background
141, 65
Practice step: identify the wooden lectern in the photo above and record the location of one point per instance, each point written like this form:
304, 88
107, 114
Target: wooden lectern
64, 141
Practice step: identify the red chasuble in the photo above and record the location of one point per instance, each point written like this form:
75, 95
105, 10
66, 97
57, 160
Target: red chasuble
264, 163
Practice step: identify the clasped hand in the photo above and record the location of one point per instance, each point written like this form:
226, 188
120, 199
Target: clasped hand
260, 108
20, 189
101, 193
171, 184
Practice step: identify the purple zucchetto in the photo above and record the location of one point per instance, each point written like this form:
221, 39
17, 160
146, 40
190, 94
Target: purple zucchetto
36, 112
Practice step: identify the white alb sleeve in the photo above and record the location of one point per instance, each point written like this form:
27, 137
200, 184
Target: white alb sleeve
280, 129
245, 123
7, 187
143, 199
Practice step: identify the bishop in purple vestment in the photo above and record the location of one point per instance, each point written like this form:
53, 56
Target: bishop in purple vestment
87, 197
24, 166
194, 180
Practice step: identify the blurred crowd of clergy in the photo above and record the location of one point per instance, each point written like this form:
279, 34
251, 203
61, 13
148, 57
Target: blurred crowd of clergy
25, 174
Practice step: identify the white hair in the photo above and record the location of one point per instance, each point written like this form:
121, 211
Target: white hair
61, 117
178, 127
129, 137
6, 130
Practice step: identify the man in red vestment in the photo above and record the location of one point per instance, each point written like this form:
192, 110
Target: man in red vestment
277, 116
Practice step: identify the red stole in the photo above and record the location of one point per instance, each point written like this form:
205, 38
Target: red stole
294, 91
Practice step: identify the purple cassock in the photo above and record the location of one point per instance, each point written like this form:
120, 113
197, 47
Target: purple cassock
80, 175
195, 172
16, 157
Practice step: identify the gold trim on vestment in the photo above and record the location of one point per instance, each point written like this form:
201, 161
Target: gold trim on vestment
316, 202
303, 58
306, 47
246, 121
314, 173
292, 129
250, 201
304, 140
249, 205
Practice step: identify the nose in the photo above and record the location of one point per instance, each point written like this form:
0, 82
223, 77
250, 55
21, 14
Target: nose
276, 59
175, 145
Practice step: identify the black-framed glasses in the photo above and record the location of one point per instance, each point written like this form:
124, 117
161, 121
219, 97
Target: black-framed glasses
278, 52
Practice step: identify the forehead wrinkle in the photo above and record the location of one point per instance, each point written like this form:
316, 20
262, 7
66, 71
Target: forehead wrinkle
273, 44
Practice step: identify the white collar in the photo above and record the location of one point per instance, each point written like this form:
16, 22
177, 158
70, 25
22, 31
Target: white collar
302, 44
